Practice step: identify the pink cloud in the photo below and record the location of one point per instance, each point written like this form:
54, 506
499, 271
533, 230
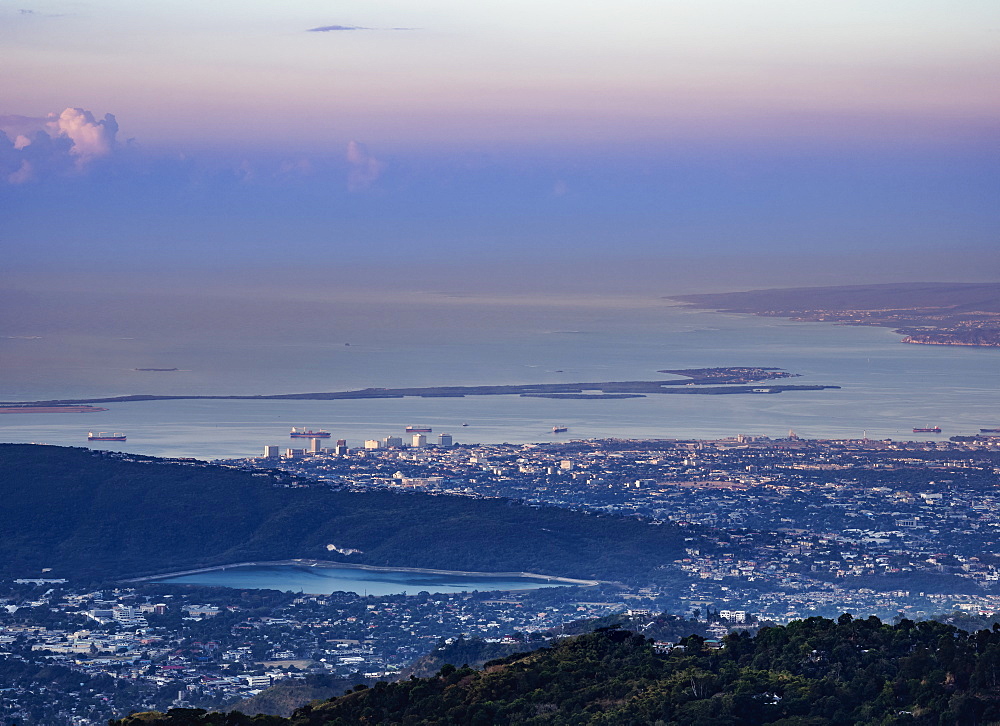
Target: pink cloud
54, 144
91, 138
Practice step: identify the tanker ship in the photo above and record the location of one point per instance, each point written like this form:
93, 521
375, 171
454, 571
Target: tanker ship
309, 434
105, 436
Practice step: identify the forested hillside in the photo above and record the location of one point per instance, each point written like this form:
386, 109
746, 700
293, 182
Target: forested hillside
93, 515
815, 671
285, 696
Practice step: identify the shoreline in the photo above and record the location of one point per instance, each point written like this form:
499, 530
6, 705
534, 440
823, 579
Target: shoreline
331, 565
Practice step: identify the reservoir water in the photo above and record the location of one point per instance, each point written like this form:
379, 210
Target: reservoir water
243, 347
324, 580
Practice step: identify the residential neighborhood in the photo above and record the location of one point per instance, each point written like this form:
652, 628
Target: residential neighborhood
772, 529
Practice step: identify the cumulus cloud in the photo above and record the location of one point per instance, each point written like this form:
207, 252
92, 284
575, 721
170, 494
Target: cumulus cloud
365, 168
91, 138
33, 147
30, 156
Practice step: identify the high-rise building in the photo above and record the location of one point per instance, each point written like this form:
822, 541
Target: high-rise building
341, 449
444, 440
372, 444
392, 442
315, 447
419, 440
272, 452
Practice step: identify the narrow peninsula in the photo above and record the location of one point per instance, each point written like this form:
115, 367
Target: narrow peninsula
710, 381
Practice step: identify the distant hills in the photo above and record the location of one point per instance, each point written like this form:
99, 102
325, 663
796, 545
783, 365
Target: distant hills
814, 672
933, 313
99, 515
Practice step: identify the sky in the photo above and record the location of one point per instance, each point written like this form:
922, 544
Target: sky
663, 145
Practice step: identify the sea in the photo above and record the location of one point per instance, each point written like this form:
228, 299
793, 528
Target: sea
89, 345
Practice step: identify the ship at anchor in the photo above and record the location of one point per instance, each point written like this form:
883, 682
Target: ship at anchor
304, 433
105, 436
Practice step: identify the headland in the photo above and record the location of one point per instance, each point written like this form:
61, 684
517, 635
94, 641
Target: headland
927, 313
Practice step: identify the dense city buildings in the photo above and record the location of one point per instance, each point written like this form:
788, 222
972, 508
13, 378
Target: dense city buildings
71, 656
773, 530
781, 527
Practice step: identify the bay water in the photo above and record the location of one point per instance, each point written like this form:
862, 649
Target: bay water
237, 346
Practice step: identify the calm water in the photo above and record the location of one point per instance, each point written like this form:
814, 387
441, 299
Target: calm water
241, 347
317, 580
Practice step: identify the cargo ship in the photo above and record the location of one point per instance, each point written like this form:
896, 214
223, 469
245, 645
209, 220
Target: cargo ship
418, 429
105, 436
928, 430
309, 434
559, 429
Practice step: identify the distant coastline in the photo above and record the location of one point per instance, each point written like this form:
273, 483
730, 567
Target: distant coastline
932, 313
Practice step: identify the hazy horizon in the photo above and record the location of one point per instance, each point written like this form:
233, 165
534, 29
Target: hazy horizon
651, 147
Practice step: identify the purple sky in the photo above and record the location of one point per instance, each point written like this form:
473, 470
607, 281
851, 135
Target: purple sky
639, 145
